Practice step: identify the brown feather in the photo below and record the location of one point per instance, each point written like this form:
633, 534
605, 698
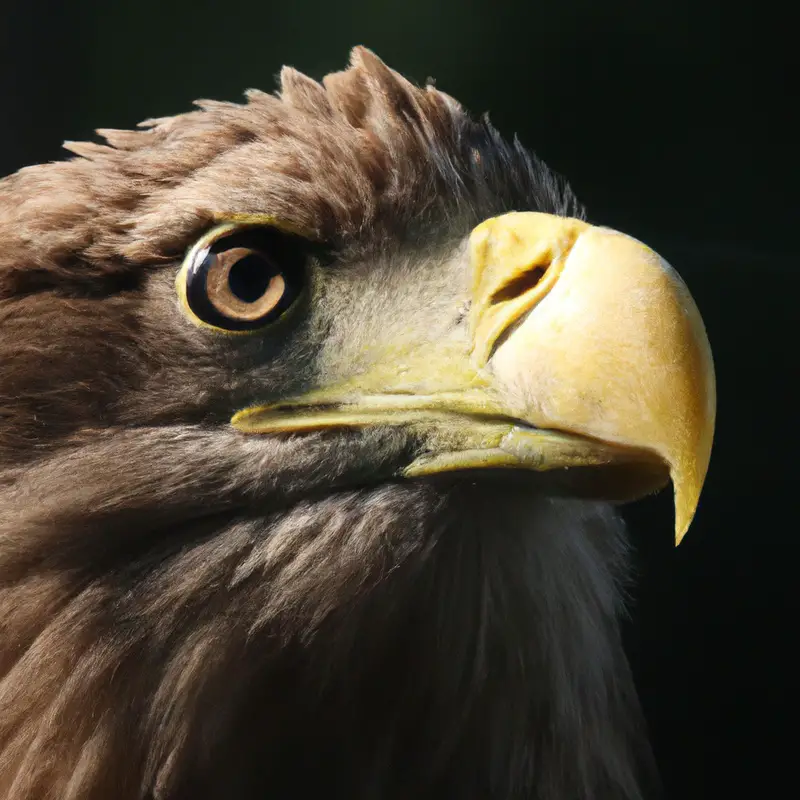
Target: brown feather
189, 613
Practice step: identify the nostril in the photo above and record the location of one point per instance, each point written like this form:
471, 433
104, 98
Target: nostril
519, 285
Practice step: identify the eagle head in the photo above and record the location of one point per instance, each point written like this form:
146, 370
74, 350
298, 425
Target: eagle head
312, 414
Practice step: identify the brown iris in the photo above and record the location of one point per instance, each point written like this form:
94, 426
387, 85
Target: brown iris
243, 285
242, 281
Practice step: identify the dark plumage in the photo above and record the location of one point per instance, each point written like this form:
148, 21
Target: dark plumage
189, 612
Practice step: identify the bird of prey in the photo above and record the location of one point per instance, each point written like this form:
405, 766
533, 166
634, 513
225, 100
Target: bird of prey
314, 412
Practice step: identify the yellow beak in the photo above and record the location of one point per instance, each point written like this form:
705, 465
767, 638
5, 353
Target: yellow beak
607, 344
587, 351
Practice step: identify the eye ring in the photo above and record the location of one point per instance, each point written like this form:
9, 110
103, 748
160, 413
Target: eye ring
240, 279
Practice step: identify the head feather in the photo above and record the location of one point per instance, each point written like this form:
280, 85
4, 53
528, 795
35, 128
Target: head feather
363, 156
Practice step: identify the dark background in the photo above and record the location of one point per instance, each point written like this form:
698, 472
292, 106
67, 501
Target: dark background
673, 122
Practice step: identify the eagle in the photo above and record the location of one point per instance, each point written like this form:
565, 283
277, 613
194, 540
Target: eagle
315, 411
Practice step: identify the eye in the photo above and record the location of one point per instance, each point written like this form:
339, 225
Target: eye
241, 280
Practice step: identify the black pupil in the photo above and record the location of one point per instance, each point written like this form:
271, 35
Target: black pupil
249, 278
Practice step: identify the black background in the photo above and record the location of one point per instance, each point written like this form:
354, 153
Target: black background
673, 122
